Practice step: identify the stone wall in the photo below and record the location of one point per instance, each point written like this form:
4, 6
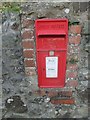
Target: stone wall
12, 57
19, 54
77, 64
75, 15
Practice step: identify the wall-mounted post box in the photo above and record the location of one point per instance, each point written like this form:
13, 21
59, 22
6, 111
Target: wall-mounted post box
51, 51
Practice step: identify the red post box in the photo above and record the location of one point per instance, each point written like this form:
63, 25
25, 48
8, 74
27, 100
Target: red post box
51, 51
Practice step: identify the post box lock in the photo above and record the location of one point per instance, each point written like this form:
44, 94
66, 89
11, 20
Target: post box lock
51, 50
51, 53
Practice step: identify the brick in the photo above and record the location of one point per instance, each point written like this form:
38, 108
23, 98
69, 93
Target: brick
48, 93
73, 58
54, 93
28, 44
65, 93
72, 74
27, 35
60, 93
29, 63
28, 53
77, 49
40, 92
27, 23
73, 49
76, 29
72, 67
30, 72
72, 83
75, 39
63, 101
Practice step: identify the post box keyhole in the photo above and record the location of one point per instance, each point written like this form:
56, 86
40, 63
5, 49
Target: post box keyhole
51, 53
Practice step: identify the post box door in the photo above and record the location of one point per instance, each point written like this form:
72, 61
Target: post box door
47, 78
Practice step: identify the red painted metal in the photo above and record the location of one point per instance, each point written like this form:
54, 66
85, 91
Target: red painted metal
51, 35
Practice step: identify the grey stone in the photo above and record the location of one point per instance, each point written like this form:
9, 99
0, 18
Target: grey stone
76, 7
62, 112
47, 100
83, 6
10, 41
83, 95
84, 83
81, 112
86, 28
6, 90
18, 115
16, 104
56, 112
87, 48
83, 71
67, 115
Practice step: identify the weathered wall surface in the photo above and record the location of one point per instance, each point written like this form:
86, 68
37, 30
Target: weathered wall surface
42, 103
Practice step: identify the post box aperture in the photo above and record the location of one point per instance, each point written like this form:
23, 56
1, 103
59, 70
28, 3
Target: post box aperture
51, 51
